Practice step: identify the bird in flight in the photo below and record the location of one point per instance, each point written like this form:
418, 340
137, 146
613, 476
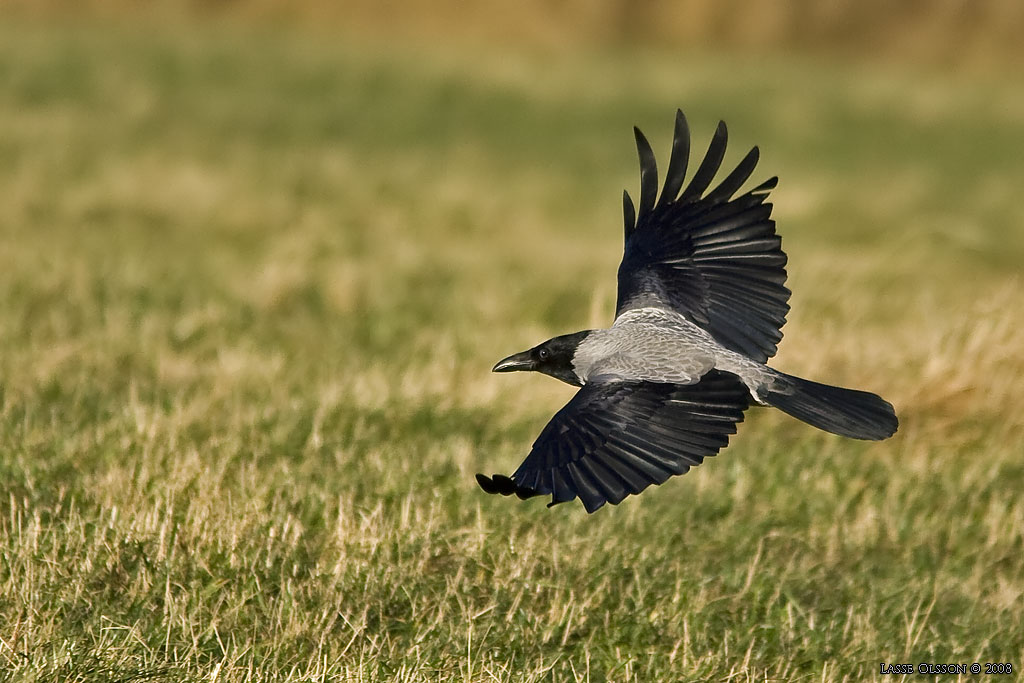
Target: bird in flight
701, 301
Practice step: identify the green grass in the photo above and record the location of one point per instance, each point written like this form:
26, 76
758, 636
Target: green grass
252, 287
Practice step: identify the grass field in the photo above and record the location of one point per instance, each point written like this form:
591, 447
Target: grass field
252, 285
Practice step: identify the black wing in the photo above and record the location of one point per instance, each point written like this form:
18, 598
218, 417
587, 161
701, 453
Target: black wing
617, 438
707, 255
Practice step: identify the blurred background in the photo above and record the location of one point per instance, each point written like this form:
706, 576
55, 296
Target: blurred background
257, 259
949, 33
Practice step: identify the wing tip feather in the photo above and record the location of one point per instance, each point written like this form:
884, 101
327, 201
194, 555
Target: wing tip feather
648, 173
628, 214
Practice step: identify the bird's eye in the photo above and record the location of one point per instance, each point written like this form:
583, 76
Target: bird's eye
543, 354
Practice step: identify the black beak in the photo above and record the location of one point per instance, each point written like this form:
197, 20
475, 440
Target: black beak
517, 361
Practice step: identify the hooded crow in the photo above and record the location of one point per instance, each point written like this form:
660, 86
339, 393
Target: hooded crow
701, 302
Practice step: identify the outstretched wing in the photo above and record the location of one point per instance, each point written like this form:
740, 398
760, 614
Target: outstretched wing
615, 439
710, 256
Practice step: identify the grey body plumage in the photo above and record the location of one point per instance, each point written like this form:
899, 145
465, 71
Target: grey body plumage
656, 345
701, 303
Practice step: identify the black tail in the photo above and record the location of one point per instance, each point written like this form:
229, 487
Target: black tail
847, 412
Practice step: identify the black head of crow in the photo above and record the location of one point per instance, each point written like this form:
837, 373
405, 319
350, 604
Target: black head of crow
554, 357
700, 307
